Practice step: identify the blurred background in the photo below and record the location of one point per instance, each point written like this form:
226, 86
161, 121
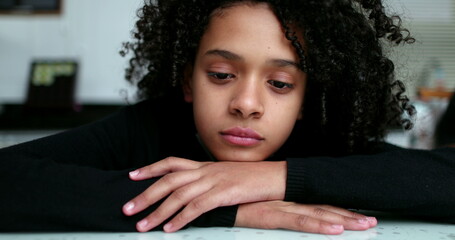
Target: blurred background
90, 32
60, 65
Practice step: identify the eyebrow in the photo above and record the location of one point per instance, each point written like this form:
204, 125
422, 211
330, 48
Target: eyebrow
283, 63
225, 54
235, 57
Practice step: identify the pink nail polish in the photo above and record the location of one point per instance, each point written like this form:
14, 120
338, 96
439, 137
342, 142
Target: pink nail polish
143, 224
134, 173
372, 220
129, 206
362, 220
167, 227
337, 227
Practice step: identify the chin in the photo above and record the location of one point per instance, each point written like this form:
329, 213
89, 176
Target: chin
240, 158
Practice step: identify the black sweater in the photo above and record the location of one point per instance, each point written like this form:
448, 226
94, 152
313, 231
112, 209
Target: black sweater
78, 180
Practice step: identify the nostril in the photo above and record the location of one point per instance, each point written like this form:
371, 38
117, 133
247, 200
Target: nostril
255, 114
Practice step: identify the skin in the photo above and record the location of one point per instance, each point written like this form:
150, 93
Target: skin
257, 82
245, 76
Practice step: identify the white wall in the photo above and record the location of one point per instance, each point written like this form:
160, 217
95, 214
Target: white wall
91, 31
432, 23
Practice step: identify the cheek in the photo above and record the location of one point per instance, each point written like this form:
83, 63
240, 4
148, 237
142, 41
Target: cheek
283, 119
207, 106
281, 127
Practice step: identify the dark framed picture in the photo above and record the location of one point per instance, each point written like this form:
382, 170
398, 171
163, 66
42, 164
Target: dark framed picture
52, 84
31, 6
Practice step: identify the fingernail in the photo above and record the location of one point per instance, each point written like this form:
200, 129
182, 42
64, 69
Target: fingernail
362, 220
134, 173
337, 226
167, 227
143, 224
372, 220
129, 206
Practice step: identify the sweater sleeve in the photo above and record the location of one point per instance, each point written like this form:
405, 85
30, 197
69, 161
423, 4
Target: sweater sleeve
78, 180
42, 195
405, 181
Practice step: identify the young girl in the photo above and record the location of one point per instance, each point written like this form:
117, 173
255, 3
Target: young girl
254, 110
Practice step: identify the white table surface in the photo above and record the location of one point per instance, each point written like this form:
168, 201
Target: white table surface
387, 229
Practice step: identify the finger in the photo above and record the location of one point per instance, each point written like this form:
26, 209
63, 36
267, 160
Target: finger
173, 204
196, 207
160, 168
302, 223
371, 220
160, 189
318, 212
341, 211
333, 215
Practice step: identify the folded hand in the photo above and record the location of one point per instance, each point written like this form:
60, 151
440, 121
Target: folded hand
198, 187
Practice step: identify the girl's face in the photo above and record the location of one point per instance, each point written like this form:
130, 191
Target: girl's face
246, 88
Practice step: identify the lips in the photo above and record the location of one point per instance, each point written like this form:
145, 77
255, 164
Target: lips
241, 136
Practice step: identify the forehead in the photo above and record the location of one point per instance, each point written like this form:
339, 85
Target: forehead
243, 12
246, 28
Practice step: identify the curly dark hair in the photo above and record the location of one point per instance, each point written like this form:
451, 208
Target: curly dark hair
352, 96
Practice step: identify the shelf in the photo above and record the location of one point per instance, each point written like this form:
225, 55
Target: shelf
18, 117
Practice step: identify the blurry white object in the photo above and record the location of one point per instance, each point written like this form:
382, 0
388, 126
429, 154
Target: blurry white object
399, 138
428, 114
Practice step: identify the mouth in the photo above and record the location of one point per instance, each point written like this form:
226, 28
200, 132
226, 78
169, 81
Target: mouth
244, 137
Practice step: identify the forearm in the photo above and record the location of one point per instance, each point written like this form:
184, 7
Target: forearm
45, 196
405, 181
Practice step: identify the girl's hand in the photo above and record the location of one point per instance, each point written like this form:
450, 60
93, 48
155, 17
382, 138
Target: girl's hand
301, 217
198, 187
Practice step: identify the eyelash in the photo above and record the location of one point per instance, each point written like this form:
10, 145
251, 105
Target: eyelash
220, 76
282, 85
277, 85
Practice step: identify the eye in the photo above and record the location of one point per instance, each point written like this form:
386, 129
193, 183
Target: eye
221, 76
280, 85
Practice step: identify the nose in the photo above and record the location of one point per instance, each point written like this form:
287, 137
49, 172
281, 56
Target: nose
246, 101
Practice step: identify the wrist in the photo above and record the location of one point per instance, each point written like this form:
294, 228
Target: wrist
277, 180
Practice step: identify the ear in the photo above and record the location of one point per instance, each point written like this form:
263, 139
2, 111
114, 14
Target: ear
187, 83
